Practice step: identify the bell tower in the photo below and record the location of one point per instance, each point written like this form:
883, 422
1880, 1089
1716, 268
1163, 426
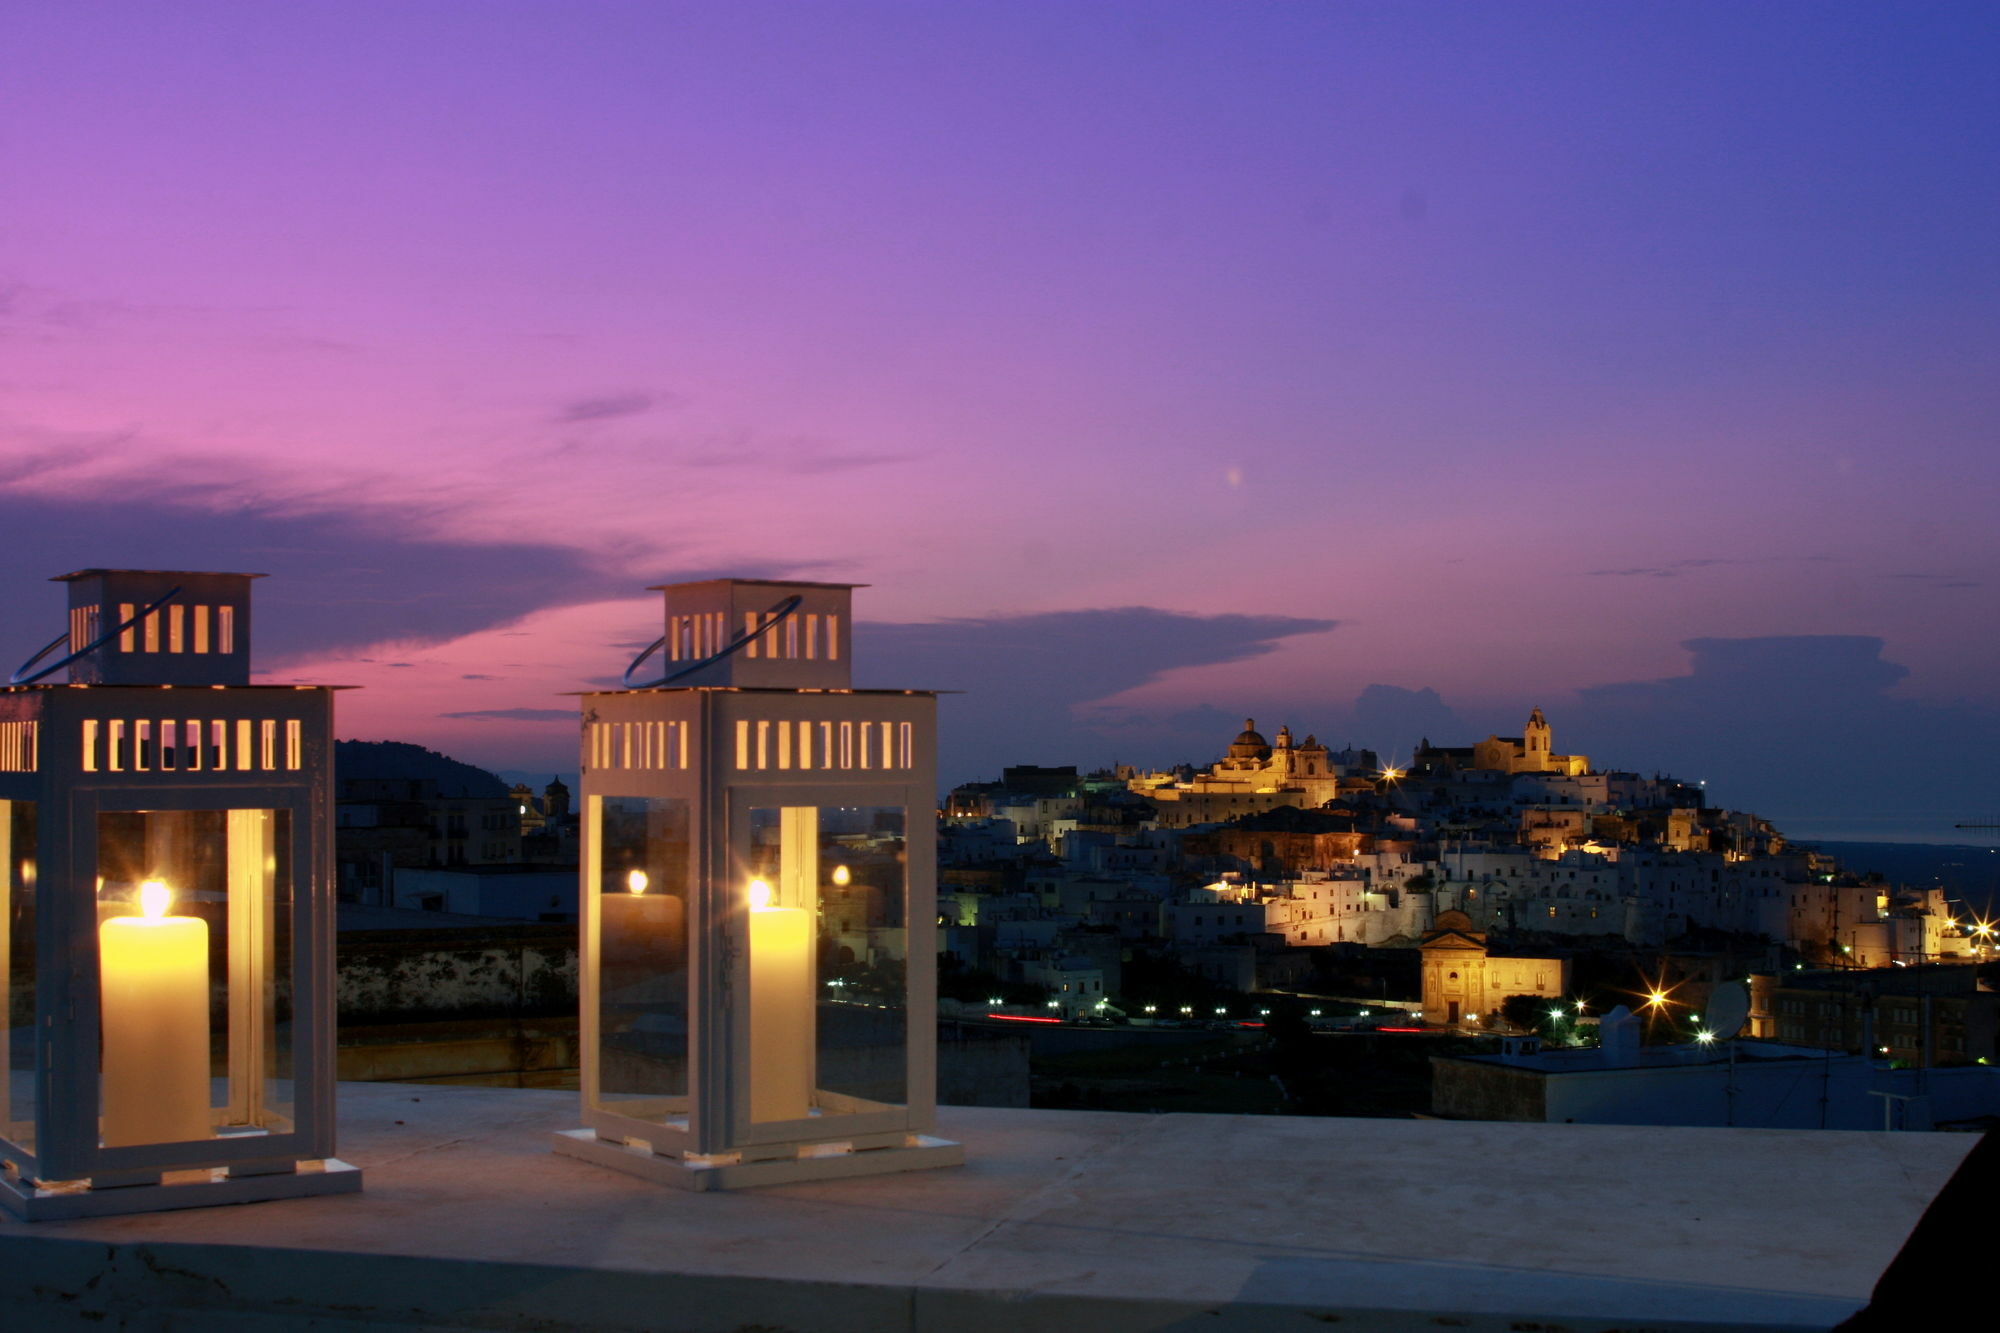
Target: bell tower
1536, 742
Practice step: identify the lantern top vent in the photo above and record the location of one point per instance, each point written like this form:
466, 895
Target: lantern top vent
756, 634
158, 627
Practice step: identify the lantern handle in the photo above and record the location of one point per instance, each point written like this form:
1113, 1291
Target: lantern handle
779, 611
26, 674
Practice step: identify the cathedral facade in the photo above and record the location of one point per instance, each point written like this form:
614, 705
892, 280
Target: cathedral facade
1253, 776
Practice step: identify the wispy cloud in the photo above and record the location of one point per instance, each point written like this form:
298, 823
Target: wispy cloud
1035, 684
517, 715
1675, 568
606, 407
1937, 580
802, 459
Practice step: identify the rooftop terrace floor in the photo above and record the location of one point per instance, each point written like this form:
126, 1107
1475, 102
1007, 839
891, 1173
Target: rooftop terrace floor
1060, 1220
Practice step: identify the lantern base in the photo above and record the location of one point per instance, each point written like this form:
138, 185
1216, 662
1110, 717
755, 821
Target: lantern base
918, 1152
33, 1204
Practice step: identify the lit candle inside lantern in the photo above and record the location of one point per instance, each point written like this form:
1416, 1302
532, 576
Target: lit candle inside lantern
641, 934
781, 1009
154, 984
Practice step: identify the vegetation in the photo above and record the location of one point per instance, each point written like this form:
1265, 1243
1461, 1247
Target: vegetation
973, 985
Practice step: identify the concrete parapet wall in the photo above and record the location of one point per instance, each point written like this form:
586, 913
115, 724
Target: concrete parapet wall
980, 1067
488, 1052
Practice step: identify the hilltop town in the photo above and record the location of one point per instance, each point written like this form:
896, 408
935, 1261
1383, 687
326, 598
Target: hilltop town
1479, 890
1285, 864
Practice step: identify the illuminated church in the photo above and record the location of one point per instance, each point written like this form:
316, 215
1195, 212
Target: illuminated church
1255, 775
1530, 752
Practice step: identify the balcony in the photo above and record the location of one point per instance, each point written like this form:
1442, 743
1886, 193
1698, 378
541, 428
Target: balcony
1061, 1220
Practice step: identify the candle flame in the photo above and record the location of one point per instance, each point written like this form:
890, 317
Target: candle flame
760, 895
840, 875
154, 898
636, 882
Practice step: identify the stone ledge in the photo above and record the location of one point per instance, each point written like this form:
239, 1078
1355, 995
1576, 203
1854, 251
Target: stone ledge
1059, 1220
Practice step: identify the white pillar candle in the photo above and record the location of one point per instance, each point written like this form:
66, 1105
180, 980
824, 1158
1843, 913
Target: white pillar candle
641, 934
781, 1009
154, 983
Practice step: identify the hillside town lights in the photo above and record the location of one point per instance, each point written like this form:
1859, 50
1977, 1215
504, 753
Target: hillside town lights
167, 950
759, 898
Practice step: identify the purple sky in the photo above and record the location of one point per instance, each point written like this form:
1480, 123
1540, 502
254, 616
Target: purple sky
1497, 350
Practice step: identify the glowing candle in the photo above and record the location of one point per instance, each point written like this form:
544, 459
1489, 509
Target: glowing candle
154, 974
781, 1009
642, 934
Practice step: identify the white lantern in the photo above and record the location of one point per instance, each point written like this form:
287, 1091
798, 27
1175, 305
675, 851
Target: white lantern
759, 886
167, 957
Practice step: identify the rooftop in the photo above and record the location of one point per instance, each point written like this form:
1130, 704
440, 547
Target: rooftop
1060, 1219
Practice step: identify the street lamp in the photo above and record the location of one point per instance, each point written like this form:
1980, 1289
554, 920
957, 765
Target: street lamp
166, 912
782, 822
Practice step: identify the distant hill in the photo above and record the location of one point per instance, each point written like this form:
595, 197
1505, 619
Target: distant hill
401, 761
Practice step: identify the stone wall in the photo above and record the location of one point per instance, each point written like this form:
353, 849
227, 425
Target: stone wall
1474, 1090
403, 976
496, 1006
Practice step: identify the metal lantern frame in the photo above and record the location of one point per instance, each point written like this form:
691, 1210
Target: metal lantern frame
726, 751
76, 752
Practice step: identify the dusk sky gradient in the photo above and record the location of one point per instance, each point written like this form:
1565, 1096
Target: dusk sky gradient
1156, 363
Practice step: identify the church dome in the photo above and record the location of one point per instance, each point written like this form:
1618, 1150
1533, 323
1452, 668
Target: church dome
1249, 744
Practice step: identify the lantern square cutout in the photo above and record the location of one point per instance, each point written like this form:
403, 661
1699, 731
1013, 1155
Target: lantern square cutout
167, 956
759, 875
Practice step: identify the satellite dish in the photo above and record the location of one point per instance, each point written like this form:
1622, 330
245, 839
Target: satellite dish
1728, 1009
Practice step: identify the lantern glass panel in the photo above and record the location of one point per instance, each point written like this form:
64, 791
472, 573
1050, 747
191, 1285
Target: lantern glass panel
827, 894
17, 970
194, 912
642, 955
